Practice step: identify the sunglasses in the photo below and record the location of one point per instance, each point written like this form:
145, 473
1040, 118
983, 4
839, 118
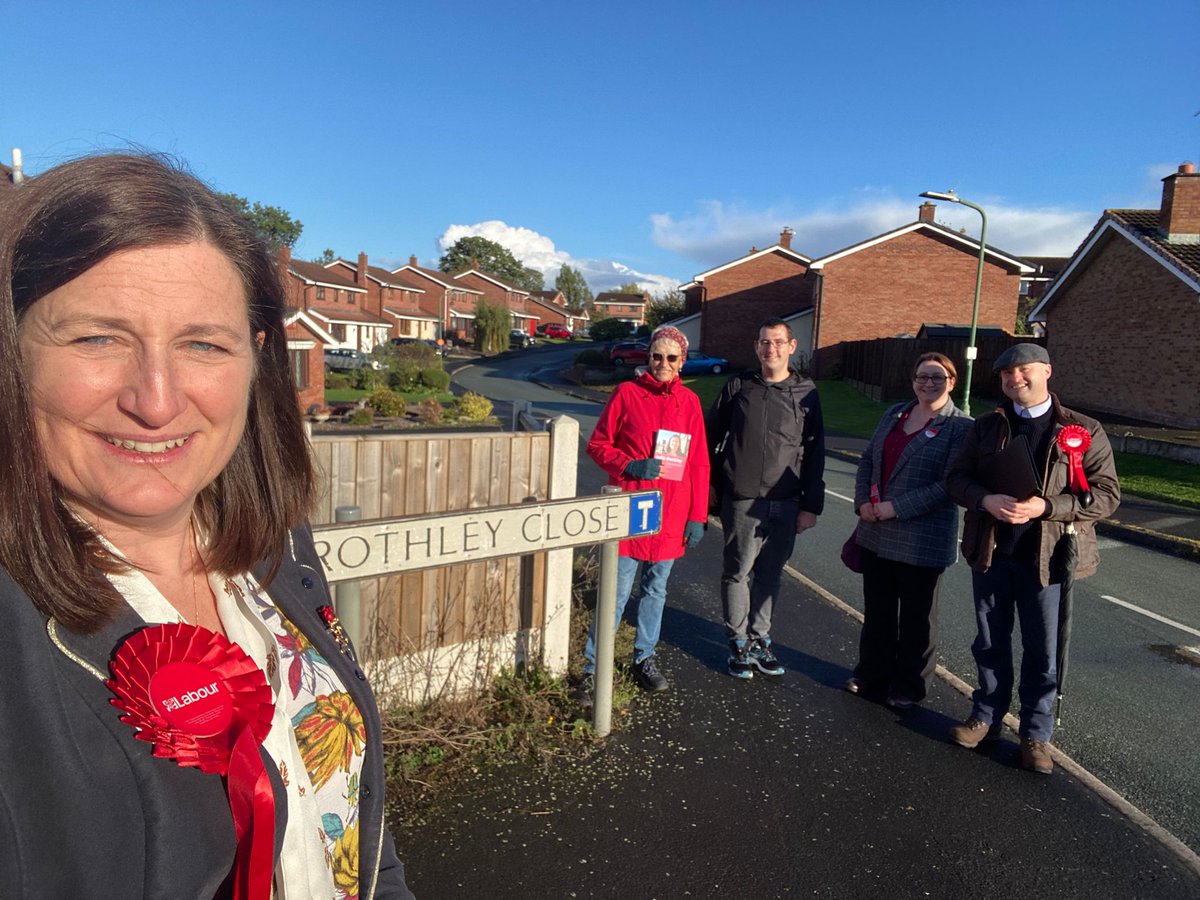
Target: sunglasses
658, 357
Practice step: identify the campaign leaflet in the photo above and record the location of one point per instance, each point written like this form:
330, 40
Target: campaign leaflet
671, 447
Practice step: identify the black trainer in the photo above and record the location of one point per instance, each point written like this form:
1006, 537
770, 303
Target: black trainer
764, 660
585, 691
648, 677
739, 664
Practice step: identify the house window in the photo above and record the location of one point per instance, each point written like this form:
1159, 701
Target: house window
339, 333
1023, 288
299, 361
320, 293
351, 298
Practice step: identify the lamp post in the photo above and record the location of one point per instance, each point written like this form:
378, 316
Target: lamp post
972, 350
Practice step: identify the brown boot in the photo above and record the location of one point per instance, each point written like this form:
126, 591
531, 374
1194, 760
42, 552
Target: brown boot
972, 733
1035, 756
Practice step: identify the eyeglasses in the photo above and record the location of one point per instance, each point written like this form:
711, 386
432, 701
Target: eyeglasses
767, 345
929, 379
670, 357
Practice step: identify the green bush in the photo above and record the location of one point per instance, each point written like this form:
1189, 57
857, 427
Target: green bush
387, 403
609, 330
592, 357
473, 408
431, 412
361, 417
336, 381
365, 379
438, 379
422, 355
404, 375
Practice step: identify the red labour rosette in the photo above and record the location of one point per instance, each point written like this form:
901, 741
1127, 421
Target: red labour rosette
201, 701
1074, 441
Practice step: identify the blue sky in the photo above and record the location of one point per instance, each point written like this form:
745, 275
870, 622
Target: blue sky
642, 141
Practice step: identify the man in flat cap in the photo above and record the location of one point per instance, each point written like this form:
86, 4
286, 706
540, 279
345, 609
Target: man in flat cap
1027, 472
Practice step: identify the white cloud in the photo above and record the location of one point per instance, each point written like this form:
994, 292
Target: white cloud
538, 252
717, 233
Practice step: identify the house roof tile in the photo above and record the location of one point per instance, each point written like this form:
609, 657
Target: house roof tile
316, 273
350, 316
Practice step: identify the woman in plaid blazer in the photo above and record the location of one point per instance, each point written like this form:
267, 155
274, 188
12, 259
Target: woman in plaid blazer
907, 532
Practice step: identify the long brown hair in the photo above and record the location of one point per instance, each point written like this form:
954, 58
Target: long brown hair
55, 227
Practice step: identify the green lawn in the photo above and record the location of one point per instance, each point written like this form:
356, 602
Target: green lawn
351, 395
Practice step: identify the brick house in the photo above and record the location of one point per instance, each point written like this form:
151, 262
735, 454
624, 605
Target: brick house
890, 284
500, 292
733, 298
1122, 323
629, 308
335, 301
306, 342
551, 307
453, 300
397, 299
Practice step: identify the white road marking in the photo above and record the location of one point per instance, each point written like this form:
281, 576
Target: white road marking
839, 496
1151, 615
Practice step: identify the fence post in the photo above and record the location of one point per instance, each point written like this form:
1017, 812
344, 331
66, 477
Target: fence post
556, 616
606, 616
348, 595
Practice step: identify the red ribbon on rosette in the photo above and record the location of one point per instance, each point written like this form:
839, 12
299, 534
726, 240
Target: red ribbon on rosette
1074, 441
201, 701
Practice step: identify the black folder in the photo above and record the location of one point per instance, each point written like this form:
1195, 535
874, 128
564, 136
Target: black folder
1011, 471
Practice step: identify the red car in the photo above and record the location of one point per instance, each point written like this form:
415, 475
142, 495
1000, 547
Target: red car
554, 330
629, 353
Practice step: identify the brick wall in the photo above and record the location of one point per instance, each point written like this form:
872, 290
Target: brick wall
1123, 339
312, 393
737, 299
895, 286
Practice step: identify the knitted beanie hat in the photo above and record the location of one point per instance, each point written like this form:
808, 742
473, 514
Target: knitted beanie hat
668, 333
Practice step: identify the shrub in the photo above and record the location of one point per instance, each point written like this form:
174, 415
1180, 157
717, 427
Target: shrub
336, 380
365, 379
361, 417
422, 355
438, 379
387, 403
404, 375
473, 408
591, 357
609, 330
431, 412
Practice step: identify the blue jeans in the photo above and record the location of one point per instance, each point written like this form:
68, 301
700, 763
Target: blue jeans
1010, 590
759, 538
650, 607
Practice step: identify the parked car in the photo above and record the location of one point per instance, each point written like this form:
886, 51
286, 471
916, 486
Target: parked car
439, 349
519, 340
702, 364
629, 353
341, 359
555, 330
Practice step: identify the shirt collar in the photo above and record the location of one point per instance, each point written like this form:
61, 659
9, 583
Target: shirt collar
1032, 412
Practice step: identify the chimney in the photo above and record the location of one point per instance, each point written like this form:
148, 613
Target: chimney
1179, 218
285, 257
753, 250
360, 275
18, 174
412, 261
785, 238
925, 212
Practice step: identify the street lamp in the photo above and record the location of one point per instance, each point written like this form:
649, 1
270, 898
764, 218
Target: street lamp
972, 350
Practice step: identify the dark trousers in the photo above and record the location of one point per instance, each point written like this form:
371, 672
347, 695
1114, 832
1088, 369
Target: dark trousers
1009, 591
898, 646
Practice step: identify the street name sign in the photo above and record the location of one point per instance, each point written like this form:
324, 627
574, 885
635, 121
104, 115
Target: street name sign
370, 549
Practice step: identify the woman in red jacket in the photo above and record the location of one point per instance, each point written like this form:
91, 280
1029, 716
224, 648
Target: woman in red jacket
652, 411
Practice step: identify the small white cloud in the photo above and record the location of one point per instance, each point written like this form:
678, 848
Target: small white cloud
538, 252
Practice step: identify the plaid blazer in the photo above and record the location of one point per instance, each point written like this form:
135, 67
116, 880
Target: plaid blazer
925, 530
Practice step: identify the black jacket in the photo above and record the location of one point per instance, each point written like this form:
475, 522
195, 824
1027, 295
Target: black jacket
767, 439
87, 812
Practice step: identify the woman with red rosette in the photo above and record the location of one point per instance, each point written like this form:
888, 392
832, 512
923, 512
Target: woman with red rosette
906, 535
181, 714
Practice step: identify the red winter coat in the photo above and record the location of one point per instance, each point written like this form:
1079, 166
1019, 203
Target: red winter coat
626, 431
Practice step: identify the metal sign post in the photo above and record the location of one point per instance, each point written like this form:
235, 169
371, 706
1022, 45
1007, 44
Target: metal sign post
605, 620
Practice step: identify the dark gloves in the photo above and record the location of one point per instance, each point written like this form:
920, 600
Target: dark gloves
643, 469
693, 534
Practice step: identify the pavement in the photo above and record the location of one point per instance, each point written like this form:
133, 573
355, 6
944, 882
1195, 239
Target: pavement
788, 787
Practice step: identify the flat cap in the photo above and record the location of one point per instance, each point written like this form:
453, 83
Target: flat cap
1019, 354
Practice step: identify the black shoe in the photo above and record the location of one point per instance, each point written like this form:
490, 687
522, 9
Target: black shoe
739, 664
764, 660
647, 676
585, 691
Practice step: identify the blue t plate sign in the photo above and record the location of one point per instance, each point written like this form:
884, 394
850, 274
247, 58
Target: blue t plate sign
645, 513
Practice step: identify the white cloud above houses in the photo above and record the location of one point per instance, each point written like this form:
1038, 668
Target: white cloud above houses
717, 232
539, 252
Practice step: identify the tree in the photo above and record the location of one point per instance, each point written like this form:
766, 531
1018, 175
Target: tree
274, 225
492, 324
327, 256
574, 288
664, 307
632, 288
493, 258
609, 329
